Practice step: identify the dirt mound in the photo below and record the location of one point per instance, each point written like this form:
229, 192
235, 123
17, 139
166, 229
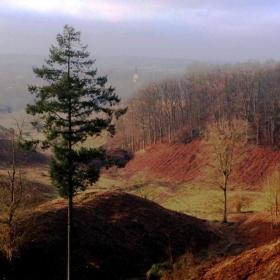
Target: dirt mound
255, 264
117, 235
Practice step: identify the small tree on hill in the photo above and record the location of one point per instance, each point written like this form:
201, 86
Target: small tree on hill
227, 141
13, 195
73, 104
273, 197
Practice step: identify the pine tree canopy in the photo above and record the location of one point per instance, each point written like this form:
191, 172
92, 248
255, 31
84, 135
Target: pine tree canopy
73, 103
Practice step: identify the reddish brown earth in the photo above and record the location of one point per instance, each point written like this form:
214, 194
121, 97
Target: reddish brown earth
259, 162
262, 263
189, 162
117, 235
177, 162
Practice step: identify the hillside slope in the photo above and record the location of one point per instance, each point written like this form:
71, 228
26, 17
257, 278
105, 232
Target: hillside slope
255, 264
117, 235
256, 229
177, 162
190, 162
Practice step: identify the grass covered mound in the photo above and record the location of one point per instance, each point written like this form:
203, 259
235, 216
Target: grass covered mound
117, 235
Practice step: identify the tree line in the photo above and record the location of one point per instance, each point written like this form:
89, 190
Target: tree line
249, 92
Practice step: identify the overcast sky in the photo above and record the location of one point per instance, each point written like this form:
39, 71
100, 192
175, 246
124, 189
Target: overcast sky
216, 30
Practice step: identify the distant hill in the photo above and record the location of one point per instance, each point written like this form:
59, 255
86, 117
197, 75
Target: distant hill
4, 133
5, 109
28, 158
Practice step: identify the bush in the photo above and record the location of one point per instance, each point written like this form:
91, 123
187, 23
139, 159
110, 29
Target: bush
238, 202
185, 136
158, 270
187, 267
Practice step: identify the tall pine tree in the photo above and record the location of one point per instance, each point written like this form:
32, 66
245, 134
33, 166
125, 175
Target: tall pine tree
73, 103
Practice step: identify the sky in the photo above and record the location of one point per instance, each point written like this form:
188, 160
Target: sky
205, 30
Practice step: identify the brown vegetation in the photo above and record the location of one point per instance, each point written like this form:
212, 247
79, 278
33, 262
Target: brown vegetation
256, 229
227, 142
254, 264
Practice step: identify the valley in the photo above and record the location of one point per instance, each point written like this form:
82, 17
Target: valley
143, 145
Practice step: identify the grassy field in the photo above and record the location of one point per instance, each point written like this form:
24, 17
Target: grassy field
192, 199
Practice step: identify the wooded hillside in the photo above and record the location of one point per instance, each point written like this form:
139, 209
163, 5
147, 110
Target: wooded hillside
179, 109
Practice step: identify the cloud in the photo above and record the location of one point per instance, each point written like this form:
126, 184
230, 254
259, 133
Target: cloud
123, 10
218, 16
88, 9
231, 29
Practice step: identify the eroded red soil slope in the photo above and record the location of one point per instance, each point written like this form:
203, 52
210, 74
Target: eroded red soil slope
258, 163
178, 162
188, 162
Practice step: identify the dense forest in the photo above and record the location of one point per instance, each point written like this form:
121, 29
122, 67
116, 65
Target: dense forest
167, 110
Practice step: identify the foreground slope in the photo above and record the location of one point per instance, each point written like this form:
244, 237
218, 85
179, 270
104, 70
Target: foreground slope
117, 235
256, 229
260, 263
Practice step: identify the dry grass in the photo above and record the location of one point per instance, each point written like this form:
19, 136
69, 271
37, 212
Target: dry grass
203, 201
255, 264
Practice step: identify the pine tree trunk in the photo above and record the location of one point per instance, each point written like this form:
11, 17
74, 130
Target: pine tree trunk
69, 236
70, 184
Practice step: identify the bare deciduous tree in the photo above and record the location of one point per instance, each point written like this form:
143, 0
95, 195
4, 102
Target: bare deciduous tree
248, 92
273, 197
11, 199
227, 143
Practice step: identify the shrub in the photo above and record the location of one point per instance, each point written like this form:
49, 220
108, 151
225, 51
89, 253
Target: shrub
158, 270
238, 202
184, 136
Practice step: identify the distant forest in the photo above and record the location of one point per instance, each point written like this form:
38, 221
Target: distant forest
249, 92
